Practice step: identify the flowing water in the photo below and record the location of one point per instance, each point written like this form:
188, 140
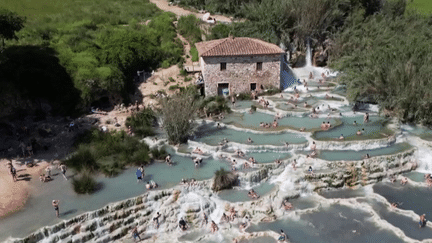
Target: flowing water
337, 215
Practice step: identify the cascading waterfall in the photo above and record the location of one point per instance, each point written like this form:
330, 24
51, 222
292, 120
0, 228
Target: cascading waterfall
308, 55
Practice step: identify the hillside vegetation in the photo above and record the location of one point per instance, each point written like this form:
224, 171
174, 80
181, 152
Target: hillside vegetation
98, 45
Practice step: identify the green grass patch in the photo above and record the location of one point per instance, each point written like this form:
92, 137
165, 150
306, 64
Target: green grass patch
188, 26
422, 6
194, 54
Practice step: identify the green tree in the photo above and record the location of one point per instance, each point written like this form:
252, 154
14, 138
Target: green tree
10, 23
178, 112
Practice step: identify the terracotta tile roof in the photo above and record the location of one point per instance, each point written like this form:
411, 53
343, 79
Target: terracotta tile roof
238, 46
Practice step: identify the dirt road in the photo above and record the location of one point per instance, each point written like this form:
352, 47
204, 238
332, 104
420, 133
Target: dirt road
163, 4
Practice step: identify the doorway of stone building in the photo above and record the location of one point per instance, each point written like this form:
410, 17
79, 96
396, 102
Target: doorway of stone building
253, 86
223, 89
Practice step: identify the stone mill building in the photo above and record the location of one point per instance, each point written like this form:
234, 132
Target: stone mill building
238, 64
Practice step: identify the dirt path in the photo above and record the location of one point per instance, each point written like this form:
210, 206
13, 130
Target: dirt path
163, 4
13, 195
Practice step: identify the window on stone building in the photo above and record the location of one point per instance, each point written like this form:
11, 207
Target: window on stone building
259, 65
253, 86
223, 66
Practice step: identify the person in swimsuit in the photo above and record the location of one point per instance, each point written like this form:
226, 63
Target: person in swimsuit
139, 175
156, 220
13, 173
422, 221
205, 219
135, 233
55, 204
63, 170
283, 236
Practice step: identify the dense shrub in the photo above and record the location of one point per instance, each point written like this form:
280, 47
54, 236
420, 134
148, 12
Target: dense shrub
72, 57
84, 184
158, 154
107, 152
188, 26
142, 122
224, 180
215, 105
178, 112
387, 60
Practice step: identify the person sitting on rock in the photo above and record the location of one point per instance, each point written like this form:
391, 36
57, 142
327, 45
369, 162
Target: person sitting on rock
245, 223
275, 123
394, 205
313, 146
197, 151
148, 186
232, 214
310, 170
252, 160
341, 137
404, 181
323, 126
224, 218
287, 205
249, 140
283, 236
302, 129
214, 227
44, 178
182, 224
313, 154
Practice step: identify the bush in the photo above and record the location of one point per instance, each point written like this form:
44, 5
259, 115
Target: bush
224, 180
142, 122
82, 159
174, 87
178, 113
188, 26
244, 96
215, 105
85, 184
107, 152
271, 91
187, 79
158, 154
171, 79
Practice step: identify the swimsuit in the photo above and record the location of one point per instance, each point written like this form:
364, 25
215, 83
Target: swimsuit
56, 208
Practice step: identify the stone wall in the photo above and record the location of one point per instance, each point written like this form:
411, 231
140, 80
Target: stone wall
240, 72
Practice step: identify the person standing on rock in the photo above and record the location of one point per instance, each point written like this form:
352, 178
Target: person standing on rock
233, 100
205, 219
156, 220
135, 233
55, 204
